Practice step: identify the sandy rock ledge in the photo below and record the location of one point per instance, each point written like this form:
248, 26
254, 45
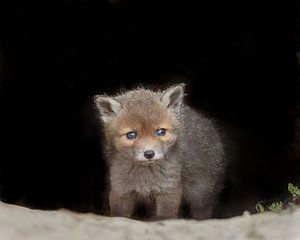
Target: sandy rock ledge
18, 223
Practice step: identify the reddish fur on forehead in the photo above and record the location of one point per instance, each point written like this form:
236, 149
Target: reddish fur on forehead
143, 109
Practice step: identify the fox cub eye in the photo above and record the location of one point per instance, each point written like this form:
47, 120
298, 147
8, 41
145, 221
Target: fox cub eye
161, 132
131, 135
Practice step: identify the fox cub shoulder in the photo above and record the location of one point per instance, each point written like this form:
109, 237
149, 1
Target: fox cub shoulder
160, 154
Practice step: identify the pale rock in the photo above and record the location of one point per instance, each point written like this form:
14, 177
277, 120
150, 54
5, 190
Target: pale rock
19, 223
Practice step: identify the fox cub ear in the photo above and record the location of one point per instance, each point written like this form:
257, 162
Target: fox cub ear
172, 97
108, 107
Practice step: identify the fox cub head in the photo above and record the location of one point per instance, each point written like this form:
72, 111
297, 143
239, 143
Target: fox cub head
141, 125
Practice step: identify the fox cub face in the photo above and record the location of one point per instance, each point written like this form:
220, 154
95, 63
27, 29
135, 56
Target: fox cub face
141, 125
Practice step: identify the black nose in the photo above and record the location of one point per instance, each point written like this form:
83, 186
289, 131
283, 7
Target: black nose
149, 154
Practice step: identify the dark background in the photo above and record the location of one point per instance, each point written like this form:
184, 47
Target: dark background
238, 59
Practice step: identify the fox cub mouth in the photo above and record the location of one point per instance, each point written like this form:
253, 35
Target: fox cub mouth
147, 162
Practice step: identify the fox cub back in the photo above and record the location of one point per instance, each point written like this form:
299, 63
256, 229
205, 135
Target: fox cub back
160, 154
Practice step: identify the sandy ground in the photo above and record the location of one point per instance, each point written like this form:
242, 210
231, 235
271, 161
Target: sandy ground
19, 223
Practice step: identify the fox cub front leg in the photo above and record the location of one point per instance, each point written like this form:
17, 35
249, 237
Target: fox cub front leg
168, 204
121, 206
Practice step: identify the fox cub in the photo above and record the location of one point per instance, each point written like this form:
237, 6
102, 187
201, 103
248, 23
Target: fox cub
160, 153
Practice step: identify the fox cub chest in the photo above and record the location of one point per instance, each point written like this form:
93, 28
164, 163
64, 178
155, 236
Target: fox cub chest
145, 180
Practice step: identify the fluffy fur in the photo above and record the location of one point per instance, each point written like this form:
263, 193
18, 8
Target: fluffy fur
188, 160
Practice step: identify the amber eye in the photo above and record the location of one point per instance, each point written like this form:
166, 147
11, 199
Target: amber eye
161, 132
131, 135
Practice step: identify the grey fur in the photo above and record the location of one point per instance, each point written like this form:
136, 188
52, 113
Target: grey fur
191, 171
